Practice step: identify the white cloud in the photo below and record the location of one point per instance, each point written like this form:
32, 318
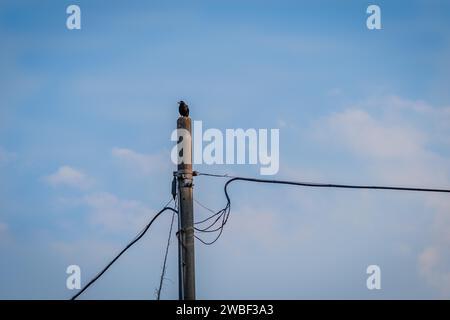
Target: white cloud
68, 176
364, 135
428, 260
114, 214
434, 260
142, 163
106, 210
399, 141
434, 270
418, 106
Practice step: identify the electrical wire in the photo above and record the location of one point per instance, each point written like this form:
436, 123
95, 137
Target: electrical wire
225, 212
136, 239
208, 243
323, 185
344, 186
206, 219
226, 175
143, 228
203, 206
221, 216
163, 272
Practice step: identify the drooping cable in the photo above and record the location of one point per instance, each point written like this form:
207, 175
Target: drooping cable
224, 213
136, 239
163, 272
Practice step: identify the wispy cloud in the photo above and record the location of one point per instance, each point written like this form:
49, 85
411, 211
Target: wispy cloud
434, 260
364, 135
434, 269
386, 135
114, 214
68, 176
398, 150
107, 211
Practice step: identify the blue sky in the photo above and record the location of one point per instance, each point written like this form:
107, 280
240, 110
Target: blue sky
85, 123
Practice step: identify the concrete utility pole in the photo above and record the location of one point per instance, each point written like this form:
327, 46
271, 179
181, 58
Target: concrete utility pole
184, 176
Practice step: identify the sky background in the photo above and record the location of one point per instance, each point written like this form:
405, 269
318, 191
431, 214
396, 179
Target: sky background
85, 123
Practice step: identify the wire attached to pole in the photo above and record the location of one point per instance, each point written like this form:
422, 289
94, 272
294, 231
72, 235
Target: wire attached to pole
221, 216
140, 235
163, 272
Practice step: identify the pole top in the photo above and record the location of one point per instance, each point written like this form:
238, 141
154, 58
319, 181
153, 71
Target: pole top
183, 109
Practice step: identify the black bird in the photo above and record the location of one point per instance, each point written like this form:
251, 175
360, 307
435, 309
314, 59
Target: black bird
183, 109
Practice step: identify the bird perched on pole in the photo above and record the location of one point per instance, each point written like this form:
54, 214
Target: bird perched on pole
183, 109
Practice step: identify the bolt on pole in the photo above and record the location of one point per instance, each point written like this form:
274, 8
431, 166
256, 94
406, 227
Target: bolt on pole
184, 176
